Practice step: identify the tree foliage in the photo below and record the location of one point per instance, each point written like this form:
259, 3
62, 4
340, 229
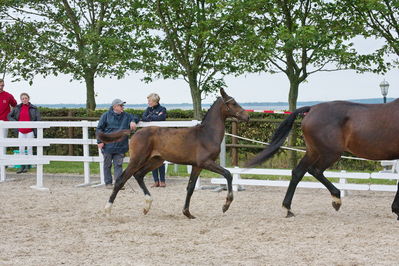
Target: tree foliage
192, 40
381, 20
85, 39
297, 38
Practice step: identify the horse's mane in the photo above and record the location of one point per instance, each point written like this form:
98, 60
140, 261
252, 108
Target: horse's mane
206, 114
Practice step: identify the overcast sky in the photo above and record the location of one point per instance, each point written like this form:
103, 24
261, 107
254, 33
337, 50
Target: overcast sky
321, 86
326, 86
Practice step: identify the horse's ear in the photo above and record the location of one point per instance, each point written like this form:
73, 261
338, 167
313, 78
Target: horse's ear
223, 93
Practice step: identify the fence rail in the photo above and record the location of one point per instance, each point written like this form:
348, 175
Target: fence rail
39, 159
343, 177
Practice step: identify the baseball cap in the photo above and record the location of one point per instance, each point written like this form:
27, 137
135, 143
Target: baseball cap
117, 101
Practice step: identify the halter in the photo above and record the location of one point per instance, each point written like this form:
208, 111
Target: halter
228, 109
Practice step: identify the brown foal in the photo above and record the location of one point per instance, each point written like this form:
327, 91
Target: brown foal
198, 146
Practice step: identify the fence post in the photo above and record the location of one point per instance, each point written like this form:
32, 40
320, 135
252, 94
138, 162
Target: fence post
234, 155
343, 181
101, 164
39, 167
86, 164
2, 153
222, 156
70, 135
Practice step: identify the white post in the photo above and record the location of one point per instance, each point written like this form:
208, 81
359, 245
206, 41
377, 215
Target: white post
2, 153
222, 155
236, 178
39, 167
343, 181
100, 154
101, 165
176, 169
86, 164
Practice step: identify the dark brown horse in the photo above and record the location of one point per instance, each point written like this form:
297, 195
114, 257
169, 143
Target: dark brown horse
198, 146
369, 131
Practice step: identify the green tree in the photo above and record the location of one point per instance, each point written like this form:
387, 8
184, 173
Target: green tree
192, 41
381, 19
85, 39
297, 38
14, 47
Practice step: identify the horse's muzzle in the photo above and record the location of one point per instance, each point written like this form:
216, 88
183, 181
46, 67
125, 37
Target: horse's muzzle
243, 116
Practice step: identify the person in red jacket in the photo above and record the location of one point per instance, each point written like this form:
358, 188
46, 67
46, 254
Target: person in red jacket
6, 102
25, 111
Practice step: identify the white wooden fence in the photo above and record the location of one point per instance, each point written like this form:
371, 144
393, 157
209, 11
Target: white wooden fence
39, 159
342, 176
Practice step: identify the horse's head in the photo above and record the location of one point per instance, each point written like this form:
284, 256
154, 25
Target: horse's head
233, 109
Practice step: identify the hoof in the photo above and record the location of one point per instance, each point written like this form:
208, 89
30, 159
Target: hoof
107, 209
225, 207
148, 202
187, 213
336, 203
290, 214
336, 206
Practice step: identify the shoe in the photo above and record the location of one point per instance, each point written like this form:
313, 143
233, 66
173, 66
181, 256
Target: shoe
22, 169
109, 186
156, 184
162, 184
25, 170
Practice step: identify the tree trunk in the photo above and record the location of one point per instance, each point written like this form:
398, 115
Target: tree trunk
292, 139
90, 98
196, 96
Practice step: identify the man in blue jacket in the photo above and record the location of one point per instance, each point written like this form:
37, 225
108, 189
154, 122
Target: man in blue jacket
115, 119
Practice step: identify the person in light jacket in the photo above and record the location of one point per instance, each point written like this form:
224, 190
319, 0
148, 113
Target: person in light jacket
156, 112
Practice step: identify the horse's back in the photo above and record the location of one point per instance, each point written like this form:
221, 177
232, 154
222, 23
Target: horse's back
172, 144
366, 130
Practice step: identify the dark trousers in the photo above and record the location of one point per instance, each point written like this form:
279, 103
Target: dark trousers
117, 160
159, 174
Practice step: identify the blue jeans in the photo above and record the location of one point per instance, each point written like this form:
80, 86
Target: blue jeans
159, 174
117, 159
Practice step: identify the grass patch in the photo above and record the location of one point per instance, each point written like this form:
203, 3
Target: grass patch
181, 170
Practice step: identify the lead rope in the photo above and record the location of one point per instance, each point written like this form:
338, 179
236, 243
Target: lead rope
289, 148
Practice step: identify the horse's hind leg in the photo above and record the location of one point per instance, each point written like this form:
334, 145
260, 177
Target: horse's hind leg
151, 164
297, 174
317, 170
395, 203
190, 189
212, 166
335, 192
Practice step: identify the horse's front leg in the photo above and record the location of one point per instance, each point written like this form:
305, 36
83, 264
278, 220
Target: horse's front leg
147, 195
190, 190
395, 203
212, 166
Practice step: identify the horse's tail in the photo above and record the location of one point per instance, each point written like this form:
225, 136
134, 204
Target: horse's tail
278, 138
114, 136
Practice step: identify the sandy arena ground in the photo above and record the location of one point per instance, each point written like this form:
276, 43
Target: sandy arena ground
66, 226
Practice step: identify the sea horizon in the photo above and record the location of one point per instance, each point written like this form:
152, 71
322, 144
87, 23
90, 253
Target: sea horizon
188, 106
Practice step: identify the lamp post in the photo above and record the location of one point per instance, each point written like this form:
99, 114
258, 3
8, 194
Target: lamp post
384, 85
